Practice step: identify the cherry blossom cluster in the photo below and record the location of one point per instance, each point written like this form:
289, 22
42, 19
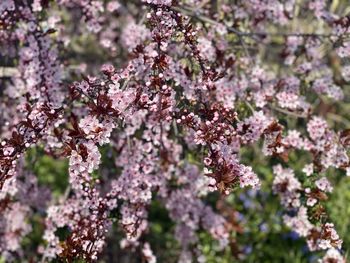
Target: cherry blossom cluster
177, 95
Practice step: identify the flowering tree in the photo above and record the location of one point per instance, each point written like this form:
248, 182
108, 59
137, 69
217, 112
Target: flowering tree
157, 101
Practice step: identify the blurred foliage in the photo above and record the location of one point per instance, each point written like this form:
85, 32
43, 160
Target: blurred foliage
51, 172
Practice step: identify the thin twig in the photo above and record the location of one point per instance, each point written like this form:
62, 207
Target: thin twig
196, 14
290, 113
338, 118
